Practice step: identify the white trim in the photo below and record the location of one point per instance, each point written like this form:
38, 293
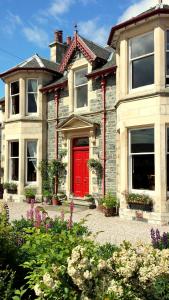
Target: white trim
78, 109
37, 94
26, 161
131, 89
39, 61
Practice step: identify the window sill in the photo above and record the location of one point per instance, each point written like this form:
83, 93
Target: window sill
148, 192
81, 110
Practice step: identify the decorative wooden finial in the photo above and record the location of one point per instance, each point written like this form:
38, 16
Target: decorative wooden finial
75, 27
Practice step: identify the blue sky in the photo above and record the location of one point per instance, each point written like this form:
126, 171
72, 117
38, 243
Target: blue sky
27, 27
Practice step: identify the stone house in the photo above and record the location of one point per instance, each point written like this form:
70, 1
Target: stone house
110, 104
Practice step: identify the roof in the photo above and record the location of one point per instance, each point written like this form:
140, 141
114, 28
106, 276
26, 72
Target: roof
98, 50
2, 99
55, 84
35, 62
109, 67
90, 50
158, 9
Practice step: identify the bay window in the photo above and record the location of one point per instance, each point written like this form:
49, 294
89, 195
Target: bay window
14, 97
14, 160
141, 60
81, 88
31, 161
32, 91
141, 159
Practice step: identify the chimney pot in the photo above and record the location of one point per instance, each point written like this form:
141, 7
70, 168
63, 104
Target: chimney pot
59, 36
68, 40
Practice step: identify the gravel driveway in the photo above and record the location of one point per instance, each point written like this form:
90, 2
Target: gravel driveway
112, 229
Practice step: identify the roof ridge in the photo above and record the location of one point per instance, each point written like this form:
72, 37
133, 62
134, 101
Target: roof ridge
38, 58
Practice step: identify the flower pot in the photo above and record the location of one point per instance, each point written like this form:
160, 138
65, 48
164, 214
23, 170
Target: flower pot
92, 206
109, 212
47, 200
56, 201
29, 199
141, 206
11, 191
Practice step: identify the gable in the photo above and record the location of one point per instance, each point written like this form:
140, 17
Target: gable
75, 122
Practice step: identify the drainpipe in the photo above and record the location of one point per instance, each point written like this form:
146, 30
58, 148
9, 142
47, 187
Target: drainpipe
56, 99
103, 88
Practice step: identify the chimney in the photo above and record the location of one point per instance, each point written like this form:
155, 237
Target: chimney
59, 36
58, 47
68, 40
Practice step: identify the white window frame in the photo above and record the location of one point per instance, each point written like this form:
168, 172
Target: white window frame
27, 93
144, 87
166, 51
131, 190
26, 161
167, 153
75, 91
10, 159
12, 96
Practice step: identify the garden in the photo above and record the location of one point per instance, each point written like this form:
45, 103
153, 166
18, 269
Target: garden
44, 258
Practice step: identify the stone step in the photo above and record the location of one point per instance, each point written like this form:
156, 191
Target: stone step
79, 202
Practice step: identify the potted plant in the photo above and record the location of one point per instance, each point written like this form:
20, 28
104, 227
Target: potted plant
96, 166
139, 201
11, 187
30, 193
47, 197
61, 196
110, 205
91, 200
55, 200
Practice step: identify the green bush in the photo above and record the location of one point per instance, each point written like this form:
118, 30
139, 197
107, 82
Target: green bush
110, 201
30, 192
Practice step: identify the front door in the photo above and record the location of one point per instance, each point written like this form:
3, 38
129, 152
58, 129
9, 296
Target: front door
80, 179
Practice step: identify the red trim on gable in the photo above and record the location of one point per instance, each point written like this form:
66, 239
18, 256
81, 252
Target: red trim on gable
76, 43
134, 20
104, 72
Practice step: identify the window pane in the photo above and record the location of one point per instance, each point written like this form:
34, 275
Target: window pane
80, 77
31, 169
32, 85
167, 63
143, 173
168, 140
32, 103
14, 149
15, 88
81, 142
143, 71
167, 40
31, 149
142, 45
142, 140
81, 96
15, 105
14, 168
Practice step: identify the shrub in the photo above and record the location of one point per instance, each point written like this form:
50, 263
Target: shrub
138, 198
6, 283
30, 192
110, 201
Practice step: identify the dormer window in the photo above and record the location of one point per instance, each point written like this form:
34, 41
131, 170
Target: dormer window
141, 59
32, 91
14, 96
81, 88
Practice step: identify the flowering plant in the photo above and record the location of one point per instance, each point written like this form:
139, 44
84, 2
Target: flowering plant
138, 198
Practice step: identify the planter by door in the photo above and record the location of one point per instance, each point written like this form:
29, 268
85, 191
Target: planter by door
109, 212
140, 206
80, 179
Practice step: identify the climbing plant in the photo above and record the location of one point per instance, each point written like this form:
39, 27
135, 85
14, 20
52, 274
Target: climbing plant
96, 166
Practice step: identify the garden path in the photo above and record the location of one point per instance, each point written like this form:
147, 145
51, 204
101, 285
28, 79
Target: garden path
112, 229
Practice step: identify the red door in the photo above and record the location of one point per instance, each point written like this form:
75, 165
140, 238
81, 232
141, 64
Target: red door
80, 183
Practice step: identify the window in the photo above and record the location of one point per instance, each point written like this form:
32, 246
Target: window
141, 56
32, 90
31, 149
141, 156
167, 159
167, 57
81, 88
14, 160
14, 95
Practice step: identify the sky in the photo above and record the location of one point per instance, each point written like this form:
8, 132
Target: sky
27, 27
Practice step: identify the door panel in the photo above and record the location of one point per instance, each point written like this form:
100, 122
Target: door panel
80, 182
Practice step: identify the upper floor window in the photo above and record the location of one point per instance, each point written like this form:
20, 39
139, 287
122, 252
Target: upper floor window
81, 88
141, 57
32, 91
14, 96
167, 57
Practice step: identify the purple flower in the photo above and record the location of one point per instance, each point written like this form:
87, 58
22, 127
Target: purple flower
69, 223
153, 237
62, 215
164, 240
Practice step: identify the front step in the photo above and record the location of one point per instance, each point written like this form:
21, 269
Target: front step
79, 201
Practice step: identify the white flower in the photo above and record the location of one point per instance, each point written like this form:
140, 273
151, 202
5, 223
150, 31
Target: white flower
87, 275
102, 264
48, 281
37, 290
